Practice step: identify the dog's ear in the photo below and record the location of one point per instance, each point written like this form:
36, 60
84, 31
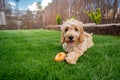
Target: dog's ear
82, 36
62, 38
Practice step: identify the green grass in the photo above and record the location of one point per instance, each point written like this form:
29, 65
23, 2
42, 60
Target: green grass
29, 55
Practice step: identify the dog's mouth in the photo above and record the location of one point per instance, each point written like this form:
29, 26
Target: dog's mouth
71, 42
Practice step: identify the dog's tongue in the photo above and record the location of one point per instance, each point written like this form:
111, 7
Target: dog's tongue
71, 42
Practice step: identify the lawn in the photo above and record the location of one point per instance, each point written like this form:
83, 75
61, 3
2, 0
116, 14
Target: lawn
29, 55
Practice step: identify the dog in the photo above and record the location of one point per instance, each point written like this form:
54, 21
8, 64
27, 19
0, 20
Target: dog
74, 40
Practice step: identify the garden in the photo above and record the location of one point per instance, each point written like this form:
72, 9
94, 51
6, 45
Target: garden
30, 39
29, 55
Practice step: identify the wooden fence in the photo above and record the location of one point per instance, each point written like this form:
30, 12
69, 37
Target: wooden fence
77, 9
65, 9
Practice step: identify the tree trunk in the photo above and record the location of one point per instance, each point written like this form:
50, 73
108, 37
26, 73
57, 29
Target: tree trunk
115, 7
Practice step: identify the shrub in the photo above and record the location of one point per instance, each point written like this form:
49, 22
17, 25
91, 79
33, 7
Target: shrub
58, 19
25, 27
73, 17
95, 16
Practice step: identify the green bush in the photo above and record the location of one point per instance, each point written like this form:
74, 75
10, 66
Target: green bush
25, 27
73, 17
95, 16
58, 19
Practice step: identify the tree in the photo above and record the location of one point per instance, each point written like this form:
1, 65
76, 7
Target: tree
115, 7
17, 11
16, 4
39, 5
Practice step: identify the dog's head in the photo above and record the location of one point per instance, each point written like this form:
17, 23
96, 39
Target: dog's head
72, 32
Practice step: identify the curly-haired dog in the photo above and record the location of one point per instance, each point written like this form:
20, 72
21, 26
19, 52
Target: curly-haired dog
75, 41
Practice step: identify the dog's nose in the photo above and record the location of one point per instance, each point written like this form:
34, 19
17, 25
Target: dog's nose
70, 37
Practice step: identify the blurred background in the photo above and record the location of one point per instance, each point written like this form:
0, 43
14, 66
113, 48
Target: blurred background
34, 14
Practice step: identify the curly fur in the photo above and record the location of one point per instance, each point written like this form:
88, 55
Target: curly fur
75, 41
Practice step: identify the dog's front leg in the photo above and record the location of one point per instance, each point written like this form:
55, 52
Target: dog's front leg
72, 57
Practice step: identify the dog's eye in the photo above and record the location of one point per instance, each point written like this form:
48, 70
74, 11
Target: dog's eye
66, 29
76, 29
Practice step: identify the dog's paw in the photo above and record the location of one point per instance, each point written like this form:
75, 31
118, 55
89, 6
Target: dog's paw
70, 61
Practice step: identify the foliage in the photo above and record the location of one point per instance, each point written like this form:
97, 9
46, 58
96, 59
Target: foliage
25, 27
39, 5
73, 17
95, 16
58, 19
